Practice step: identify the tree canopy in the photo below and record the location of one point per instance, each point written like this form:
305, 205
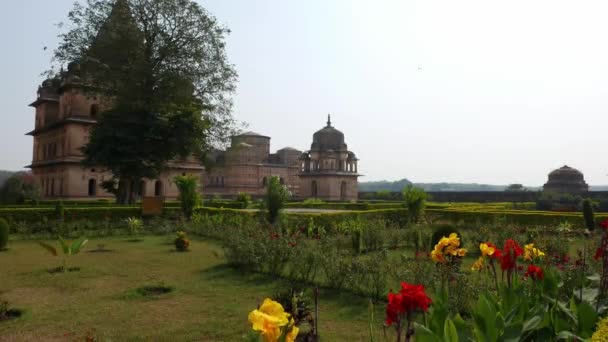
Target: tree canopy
163, 65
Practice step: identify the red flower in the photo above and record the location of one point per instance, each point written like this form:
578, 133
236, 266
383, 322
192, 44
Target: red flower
604, 224
599, 253
411, 298
534, 272
510, 252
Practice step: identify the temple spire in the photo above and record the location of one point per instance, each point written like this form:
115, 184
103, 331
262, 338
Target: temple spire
328, 120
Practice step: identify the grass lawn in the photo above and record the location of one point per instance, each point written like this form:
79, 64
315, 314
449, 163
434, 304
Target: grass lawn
210, 302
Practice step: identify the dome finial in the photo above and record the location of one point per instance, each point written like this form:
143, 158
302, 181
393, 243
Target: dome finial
328, 120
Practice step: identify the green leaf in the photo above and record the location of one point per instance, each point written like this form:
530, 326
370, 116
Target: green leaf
77, 245
64, 246
48, 247
422, 333
512, 333
587, 319
568, 336
532, 323
449, 331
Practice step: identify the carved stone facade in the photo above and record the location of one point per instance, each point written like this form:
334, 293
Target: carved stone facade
247, 165
65, 113
329, 171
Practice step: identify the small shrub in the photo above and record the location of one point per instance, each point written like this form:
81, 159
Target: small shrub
4, 230
415, 199
276, 196
181, 242
189, 197
134, 225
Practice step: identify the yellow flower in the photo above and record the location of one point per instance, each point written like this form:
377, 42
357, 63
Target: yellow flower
461, 252
530, 252
293, 333
478, 265
486, 250
454, 240
437, 256
269, 319
601, 332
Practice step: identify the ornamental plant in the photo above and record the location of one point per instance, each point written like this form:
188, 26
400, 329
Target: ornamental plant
134, 225
189, 197
276, 196
181, 242
272, 322
403, 306
68, 249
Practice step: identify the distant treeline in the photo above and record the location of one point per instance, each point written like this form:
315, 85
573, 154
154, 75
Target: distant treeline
431, 187
4, 175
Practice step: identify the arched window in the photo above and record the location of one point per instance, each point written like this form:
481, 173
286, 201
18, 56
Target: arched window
343, 190
158, 188
92, 187
94, 110
142, 188
313, 188
282, 180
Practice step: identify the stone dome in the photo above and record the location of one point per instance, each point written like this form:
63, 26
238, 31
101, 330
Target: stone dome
328, 138
566, 180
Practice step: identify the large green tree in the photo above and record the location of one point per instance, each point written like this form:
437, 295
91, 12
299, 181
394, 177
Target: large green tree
163, 65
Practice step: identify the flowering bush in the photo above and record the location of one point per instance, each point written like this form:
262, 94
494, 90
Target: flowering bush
273, 323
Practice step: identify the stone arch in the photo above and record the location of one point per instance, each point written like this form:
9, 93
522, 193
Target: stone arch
343, 190
314, 191
92, 187
142, 188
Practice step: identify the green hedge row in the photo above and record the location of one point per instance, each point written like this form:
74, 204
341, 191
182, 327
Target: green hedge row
523, 217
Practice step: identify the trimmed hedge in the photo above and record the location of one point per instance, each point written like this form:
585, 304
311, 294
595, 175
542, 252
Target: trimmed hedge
523, 217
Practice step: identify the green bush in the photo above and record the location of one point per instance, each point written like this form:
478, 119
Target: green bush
415, 199
276, 197
4, 230
243, 199
189, 197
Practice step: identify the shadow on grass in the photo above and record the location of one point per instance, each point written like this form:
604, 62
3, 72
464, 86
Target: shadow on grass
347, 303
226, 272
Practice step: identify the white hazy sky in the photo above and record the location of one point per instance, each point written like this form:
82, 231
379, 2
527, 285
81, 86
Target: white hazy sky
460, 91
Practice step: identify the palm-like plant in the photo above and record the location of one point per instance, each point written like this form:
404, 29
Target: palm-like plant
68, 249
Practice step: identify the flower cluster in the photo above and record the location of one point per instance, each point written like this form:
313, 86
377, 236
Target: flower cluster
446, 248
532, 253
410, 299
487, 250
508, 259
534, 272
273, 323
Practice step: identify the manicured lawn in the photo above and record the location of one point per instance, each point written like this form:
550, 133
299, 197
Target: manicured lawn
210, 302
